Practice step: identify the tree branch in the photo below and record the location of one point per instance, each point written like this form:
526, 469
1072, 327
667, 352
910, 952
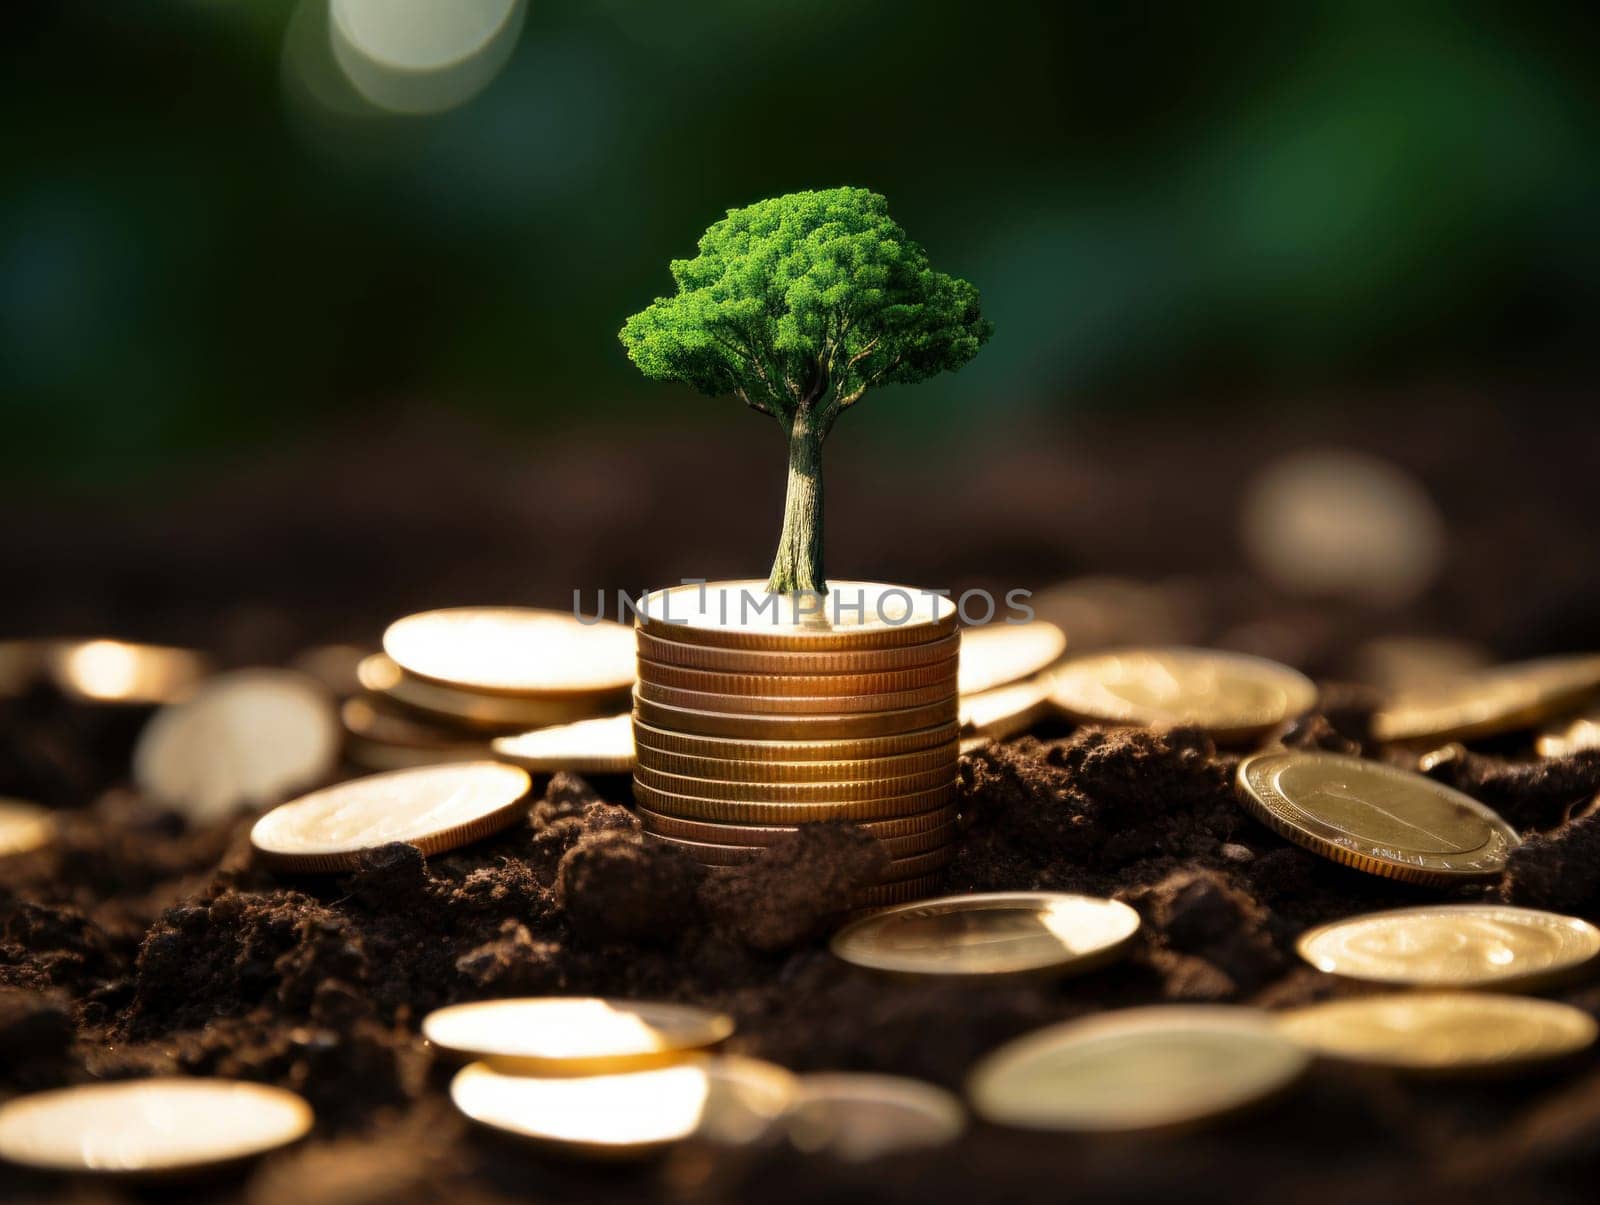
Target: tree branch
754, 403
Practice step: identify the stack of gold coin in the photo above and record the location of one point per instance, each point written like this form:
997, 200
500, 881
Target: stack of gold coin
448, 682
755, 713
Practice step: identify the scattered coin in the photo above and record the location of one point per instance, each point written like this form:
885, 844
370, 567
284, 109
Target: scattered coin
1137, 1069
381, 736
797, 792
115, 671
742, 615
435, 808
471, 709
513, 651
1452, 946
1007, 710
1503, 699
24, 827
713, 833
240, 740
574, 1035
724, 1099
1395, 663
1002, 933
940, 675
856, 1117
898, 765
757, 661
789, 706
1232, 696
149, 1125
1441, 1032
794, 728
1569, 736
1375, 817
747, 811
998, 653
792, 751
603, 746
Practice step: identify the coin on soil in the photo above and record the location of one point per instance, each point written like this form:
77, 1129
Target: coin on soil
471, 709
998, 653
1502, 699
1375, 817
435, 808
1441, 1033
1453, 946
837, 727
1569, 736
742, 615
1137, 1069
116, 671
1007, 710
1232, 696
855, 1117
712, 833
603, 746
24, 827
754, 811
149, 1126
574, 1035
856, 770
756, 661
241, 740
796, 705
798, 792
513, 651
1000, 933
721, 1099
792, 751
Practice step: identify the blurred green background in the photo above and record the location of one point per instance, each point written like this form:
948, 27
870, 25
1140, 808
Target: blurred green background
214, 241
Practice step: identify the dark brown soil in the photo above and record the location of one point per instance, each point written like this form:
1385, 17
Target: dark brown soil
138, 945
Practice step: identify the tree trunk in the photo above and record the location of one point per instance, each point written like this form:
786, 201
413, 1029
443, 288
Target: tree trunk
798, 565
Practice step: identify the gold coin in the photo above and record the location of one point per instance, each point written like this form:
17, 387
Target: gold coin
574, 1035
435, 808
755, 661
24, 827
1375, 817
713, 833
489, 712
1502, 699
722, 1099
373, 718
1007, 710
739, 853
1441, 1032
793, 752
240, 740
116, 671
797, 792
149, 1125
795, 728
1232, 696
1136, 1069
855, 1117
1002, 933
375, 756
901, 891
940, 674
742, 615
1569, 736
856, 770
998, 653
796, 705
603, 746
1452, 946
756, 811
513, 651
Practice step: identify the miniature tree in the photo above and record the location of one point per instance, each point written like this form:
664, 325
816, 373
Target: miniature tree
798, 306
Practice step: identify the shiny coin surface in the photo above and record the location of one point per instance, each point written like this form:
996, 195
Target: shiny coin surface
117, 671
373, 718
1232, 696
24, 827
1570, 736
1502, 699
998, 653
798, 792
757, 661
1002, 933
1441, 1032
1138, 1069
858, 1117
712, 833
602, 746
435, 808
797, 705
513, 651
241, 740
800, 685
1375, 817
726, 853
721, 1099
472, 709
860, 769
742, 615
574, 1035
836, 727
1452, 946
149, 1125
755, 811
1007, 710
791, 751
